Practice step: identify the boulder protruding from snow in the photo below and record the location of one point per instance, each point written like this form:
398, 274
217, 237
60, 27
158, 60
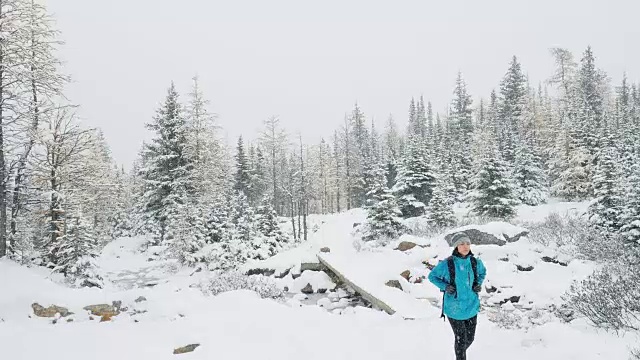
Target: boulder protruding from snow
524, 268
406, 274
103, 310
405, 246
307, 289
494, 233
50, 311
260, 271
394, 284
325, 250
185, 349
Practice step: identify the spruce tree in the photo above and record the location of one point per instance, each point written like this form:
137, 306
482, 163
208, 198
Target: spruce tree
605, 211
631, 212
415, 181
461, 136
168, 174
383, 214
513, 96
494, 195
529, 177
242, 179
273, 240
440, 211
75, 251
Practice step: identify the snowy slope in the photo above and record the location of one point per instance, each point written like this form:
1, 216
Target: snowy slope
240, 325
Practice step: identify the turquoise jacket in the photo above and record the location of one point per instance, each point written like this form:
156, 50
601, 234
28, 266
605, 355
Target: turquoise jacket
465, 303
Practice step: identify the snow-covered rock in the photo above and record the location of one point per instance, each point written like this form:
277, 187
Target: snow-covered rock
494, 233
317, 279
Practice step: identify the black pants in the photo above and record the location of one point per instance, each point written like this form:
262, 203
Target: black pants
465, 332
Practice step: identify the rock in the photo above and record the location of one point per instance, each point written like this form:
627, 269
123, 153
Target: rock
429, 265
90, 317
259, 271
325, 250
553, 261
307, 289
504, 259
69, 320
117, 305
50, 311
322, 291
513, 300
283, 274
102, 310
311, 266
394, 284
491, 289
356, 225
405, 245
486, 234
185, 349
523, 268
140, 299
106, 317
406, 274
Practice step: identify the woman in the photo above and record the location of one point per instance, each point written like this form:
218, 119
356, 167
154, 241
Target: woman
460, 277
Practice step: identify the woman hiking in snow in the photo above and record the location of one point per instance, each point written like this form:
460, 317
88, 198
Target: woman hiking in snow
460, 277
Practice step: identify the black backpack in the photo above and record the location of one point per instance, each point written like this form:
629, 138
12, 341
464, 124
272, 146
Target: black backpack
452, 276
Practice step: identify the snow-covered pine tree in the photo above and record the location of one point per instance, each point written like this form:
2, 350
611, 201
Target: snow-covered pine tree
75, 252
421, 119
204, 147
528, 176
461, 122
359, 154
440, 211
512, 102
605, 211
168, 172
493, 194
574, 178
267, 225
242, 179
415, 181
631, 212
242, 243
391, 151
187, 235
383, 222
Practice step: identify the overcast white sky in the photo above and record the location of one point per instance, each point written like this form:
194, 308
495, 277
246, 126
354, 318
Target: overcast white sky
308, 62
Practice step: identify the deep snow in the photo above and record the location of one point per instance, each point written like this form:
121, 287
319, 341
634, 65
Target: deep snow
240, 325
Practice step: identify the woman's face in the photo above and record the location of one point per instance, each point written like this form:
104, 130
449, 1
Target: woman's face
464, 248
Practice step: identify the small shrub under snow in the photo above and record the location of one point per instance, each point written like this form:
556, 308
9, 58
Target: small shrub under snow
609, 298
235, 280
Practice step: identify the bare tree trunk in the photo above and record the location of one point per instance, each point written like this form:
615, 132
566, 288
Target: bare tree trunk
346, 157
293, 220
299, 226
304, 219
3, 175
16, 205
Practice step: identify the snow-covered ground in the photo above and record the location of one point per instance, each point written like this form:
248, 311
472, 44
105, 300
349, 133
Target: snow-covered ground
240, 325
